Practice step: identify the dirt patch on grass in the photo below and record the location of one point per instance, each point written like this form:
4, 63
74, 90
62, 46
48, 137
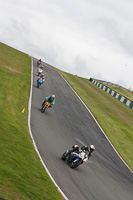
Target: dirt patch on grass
14, 70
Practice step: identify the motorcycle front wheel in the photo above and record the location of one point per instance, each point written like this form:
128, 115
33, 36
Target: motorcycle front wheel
75, 164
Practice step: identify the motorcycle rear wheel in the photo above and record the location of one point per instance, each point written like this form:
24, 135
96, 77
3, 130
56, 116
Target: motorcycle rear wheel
43, 109
63, 157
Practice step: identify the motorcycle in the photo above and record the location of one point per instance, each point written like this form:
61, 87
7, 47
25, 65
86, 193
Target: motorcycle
45, 106
38, 63
39, 82
42, 76
75, 159
40, 71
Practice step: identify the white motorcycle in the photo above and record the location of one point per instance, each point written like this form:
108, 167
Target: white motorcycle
75, 159
40, 71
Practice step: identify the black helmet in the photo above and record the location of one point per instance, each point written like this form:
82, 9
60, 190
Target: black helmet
86, 148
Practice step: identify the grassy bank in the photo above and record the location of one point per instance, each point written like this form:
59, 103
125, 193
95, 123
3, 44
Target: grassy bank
22, 176
128, 94
115, 118
124, 92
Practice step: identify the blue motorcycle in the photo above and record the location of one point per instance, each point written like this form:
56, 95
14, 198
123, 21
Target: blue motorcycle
39, 82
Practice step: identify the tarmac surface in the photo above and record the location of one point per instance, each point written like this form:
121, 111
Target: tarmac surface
68, 122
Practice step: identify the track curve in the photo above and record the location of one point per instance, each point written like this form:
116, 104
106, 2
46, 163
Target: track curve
104, 176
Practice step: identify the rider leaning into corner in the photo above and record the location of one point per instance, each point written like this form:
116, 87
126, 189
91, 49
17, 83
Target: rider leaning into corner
50, 99
85, 148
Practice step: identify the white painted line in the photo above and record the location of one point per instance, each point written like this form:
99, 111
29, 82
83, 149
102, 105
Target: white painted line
97, 124
29, 116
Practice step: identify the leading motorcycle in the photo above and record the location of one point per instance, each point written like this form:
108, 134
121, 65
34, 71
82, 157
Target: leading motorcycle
75, 159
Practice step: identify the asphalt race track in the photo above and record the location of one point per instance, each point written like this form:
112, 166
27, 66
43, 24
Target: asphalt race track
68, 122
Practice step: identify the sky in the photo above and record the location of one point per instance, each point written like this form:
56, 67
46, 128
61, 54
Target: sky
87, 38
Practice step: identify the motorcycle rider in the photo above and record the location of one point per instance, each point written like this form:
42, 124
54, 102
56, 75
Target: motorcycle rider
89, 149
40, 70
42, 76
39, 81
50, 99
75, 149
39, 62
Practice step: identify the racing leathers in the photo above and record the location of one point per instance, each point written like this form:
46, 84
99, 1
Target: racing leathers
50, 100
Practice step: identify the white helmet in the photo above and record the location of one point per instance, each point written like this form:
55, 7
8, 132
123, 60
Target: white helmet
53, 96
92, 147
76, 147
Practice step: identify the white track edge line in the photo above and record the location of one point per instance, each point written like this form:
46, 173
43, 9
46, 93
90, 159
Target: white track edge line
97, 123
29, 116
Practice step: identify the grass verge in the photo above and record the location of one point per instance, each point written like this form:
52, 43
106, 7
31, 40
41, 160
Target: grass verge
22, 176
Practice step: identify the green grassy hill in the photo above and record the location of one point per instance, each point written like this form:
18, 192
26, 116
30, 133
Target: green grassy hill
123, 92
22, 176
127, 93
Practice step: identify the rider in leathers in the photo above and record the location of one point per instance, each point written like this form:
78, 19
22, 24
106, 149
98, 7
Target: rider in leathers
50, 99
